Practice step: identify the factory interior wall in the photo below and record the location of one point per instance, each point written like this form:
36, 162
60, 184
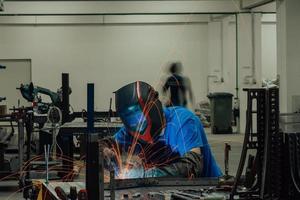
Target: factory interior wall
288, 54
19, 71
111, 52
269, 47
111, 55
222, 55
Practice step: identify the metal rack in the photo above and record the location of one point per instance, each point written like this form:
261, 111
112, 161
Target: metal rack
265, 168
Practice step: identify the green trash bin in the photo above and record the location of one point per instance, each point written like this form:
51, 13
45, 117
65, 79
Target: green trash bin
221, 112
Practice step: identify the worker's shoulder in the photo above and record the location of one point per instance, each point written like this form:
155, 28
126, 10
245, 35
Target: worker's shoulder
178, 112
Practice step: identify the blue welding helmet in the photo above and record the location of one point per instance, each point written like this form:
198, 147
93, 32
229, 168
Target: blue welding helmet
140, 110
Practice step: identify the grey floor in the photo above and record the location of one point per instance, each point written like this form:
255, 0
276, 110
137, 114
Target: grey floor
8, 188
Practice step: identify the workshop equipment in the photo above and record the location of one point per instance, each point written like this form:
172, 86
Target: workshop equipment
112, 184
141, 189
54, 117
6, 167
267, 165
221, 112
82, 195
31, 94
94, 163
61, 193
290, 128
226, 160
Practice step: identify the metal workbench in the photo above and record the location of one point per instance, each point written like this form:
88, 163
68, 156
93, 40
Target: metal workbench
69, 129
148, 188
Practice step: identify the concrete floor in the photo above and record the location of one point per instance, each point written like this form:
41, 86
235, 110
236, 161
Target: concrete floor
217, 143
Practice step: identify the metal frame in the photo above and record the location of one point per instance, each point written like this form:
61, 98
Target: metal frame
94, 169
266, 141
291, 166
254, 5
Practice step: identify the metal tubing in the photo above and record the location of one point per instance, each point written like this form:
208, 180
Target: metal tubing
112, 185
257, 4
94, 181
21, 142
141, 13
222, 50
65, 98
90, 108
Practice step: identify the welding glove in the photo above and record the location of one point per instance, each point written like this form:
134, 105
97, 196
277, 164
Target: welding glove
190, 165
107, 144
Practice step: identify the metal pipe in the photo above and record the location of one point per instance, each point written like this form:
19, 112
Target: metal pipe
141, 13
65, 107
253, 48
21, 141
90, 108
112, 184
253, 52
256, 4
222, 51
236, 58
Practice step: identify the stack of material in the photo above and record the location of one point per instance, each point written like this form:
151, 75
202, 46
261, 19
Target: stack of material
3, 110
203, 112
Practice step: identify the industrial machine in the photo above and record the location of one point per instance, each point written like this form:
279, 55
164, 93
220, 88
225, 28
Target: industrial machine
31, 93
57, 130
7, 164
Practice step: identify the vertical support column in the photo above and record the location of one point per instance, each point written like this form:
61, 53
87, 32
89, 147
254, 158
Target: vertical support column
67, 139
65, 107
93, 171
2, 151
288, 58
21, 140
249, 60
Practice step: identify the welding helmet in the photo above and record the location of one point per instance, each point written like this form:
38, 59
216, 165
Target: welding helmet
140, 110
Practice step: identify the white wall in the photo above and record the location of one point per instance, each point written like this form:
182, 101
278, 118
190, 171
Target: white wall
222, 54
288, 54
108, 55
269, 46
104, 48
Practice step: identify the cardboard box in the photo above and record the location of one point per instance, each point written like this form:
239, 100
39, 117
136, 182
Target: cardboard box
3, 110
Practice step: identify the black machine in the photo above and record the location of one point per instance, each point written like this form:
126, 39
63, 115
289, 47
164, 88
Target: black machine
262, 180
273, 173
290, 128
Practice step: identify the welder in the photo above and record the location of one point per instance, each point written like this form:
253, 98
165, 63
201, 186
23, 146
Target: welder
169, 141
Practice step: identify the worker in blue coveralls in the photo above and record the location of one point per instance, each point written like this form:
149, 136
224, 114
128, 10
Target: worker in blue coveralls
169, 141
